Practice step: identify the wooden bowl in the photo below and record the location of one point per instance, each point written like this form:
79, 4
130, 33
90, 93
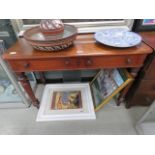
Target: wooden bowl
43, 42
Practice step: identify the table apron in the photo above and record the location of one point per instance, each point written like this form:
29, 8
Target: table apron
77, 63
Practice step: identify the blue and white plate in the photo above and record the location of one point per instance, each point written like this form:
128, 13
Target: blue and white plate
118, 37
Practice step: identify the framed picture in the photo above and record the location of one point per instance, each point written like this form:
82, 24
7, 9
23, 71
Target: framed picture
108, 83
66, 102
144, 25
148, 22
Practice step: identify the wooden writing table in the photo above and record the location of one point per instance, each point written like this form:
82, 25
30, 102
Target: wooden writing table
85, 54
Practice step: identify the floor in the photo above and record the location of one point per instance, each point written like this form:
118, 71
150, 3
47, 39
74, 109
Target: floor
111, 120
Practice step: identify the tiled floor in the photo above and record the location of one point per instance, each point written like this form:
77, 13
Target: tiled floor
110, 120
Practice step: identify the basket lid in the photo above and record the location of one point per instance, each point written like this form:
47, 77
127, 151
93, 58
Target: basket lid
51, 26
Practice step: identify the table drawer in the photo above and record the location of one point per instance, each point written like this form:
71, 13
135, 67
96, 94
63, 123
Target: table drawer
76, 63
114, 61
42, 65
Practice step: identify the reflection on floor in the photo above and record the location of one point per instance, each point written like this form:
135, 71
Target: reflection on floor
110, 120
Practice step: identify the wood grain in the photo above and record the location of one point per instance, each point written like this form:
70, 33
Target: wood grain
84, 45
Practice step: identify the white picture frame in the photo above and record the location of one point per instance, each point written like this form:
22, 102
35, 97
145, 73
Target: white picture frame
45, 112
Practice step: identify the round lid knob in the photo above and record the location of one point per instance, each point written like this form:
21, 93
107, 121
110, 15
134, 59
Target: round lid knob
51, 26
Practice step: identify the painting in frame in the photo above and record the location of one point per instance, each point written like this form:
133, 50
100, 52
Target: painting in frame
141, 25
66, 102
107, 84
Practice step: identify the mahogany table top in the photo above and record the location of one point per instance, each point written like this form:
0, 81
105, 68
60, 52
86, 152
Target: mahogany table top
84, 45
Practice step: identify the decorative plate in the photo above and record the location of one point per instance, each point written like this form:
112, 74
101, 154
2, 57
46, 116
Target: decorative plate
43, 42
118, 37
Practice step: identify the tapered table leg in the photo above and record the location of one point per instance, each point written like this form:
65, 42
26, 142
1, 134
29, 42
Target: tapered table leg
42, 77
26, 85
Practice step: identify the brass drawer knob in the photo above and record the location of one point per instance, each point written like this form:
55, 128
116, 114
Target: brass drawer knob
67, 62
26, 65
89, 62
128, 61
